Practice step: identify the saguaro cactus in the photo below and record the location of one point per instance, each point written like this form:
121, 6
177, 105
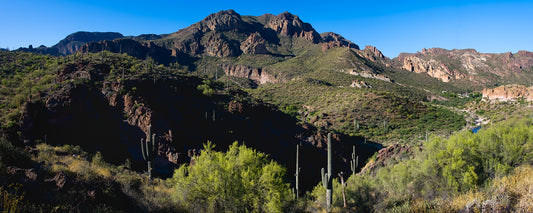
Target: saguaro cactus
297, 173
326, 177
354, 163
149, 149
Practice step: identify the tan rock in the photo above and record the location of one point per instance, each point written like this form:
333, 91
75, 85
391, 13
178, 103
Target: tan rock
431, 67
287, 24
508, 93
254, 74
254, 44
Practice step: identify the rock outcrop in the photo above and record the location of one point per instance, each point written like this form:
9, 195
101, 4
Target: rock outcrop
468, 64
222, 21
366, 74
508, 93
254, 44
360, 84
331, 40
287, 24
255, 74
217, 46
431, 67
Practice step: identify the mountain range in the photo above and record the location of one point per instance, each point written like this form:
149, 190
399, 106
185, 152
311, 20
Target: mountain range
281, 38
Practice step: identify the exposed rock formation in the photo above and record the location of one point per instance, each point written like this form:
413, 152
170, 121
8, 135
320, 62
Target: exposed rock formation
360, 84
254, 74
254, 44
217, 46
369, 75
508, 93
222, 21
287, 24
467, 64
431, 67
375, 52
331, 40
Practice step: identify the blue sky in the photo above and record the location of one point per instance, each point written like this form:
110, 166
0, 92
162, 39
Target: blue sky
391, 26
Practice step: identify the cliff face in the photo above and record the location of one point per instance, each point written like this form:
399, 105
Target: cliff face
255, 74
509, 93
467, 64
286, 24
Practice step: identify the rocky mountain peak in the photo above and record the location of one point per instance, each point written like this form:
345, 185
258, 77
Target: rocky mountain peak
375, 51
287, 24
223, 21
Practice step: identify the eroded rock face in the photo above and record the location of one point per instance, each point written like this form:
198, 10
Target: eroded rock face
254, 74
219, 47
331, 40
375, 52
367, 74
467, 64
223, 21
254, 44
431, 67
287, 24
508, 93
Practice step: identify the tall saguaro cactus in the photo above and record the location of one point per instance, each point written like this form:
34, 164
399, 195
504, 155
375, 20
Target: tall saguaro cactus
149, 149
327, 178
354, 163
297, 173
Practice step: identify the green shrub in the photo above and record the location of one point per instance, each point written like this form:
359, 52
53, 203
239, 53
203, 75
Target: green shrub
238, 180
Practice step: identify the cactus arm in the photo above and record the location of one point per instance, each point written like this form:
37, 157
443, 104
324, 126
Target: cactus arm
143, 149
324, 178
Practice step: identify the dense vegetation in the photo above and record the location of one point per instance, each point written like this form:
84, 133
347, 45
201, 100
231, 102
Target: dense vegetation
483, 171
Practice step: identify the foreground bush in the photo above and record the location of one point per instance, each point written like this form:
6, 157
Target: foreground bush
239, 180
487, 171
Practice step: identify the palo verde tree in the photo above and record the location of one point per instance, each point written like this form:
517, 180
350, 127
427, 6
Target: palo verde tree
239, 180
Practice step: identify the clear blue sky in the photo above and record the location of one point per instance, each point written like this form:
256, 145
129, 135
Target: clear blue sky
391, 26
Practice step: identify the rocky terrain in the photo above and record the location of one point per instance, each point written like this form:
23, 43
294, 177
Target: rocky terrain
481, 69
509, 93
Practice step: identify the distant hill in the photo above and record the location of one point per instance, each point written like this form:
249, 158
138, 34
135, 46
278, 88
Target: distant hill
481, 69
73, 42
